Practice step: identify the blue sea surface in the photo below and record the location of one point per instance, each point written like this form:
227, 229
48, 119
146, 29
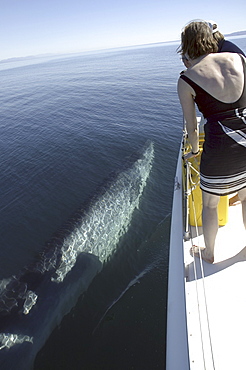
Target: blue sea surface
67, 124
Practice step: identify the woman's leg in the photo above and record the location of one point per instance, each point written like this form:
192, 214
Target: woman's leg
242, 197
209, 223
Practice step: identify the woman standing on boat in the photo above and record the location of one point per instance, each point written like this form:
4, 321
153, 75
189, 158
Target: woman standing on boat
216, 82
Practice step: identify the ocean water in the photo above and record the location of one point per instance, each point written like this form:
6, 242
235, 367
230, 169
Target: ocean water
67, 124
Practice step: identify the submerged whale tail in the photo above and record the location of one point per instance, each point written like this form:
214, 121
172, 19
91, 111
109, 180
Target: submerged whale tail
34, 302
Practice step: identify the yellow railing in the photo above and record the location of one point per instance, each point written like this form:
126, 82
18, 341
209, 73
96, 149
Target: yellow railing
194, 192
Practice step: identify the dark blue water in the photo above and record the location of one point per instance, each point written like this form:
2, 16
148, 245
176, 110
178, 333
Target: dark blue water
66, 124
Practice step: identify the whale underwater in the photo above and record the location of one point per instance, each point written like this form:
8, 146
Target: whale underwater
34, 301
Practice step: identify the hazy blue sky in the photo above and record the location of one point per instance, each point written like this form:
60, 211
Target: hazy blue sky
30, 27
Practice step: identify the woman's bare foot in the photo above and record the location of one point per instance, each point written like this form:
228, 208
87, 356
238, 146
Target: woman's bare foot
196, 251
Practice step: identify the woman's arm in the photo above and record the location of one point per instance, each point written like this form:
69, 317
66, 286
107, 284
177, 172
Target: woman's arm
186, 97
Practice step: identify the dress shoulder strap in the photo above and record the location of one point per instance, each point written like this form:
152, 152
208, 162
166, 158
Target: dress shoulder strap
190, 82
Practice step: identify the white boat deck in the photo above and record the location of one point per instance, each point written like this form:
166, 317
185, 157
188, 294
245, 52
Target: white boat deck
216, 303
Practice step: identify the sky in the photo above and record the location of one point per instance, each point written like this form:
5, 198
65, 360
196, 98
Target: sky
34, 27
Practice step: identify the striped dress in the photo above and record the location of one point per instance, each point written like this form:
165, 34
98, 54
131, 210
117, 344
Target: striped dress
223, 161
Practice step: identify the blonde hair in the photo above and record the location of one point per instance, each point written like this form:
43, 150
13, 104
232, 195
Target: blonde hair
197, 39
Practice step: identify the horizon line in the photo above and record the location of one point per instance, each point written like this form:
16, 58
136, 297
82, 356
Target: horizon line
12, 59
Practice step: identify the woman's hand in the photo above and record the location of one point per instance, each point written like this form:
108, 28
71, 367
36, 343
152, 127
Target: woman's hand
190, 155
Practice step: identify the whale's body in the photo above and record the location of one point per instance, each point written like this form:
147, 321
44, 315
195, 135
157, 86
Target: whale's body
33, 302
